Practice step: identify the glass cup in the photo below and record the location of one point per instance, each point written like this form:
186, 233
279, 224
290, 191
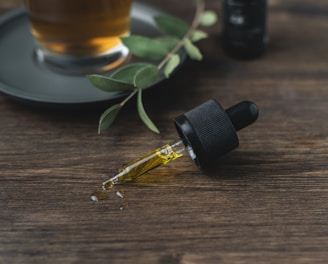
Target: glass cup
79, 36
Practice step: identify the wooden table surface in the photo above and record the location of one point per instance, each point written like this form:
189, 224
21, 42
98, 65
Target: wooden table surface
266, 202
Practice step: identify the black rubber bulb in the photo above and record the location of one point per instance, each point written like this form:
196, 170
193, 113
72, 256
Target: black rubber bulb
243, 114
210, 132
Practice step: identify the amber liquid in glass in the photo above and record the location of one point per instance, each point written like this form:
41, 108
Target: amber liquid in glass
79, 27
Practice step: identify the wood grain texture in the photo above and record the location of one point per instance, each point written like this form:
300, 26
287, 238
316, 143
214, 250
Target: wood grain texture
266, 202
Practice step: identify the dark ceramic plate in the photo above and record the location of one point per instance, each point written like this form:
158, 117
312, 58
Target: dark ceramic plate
23, 78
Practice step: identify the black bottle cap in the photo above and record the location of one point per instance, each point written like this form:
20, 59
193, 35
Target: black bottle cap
208, 131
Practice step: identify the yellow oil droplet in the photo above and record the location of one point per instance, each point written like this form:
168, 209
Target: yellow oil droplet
120, 193
108, 185
99, 195
124, 205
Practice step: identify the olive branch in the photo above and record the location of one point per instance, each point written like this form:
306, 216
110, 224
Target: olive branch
136, 77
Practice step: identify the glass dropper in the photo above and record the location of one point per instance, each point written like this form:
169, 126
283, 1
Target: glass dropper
206, 133
134, 169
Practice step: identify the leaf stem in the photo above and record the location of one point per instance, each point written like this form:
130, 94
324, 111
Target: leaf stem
128, 97
195, 23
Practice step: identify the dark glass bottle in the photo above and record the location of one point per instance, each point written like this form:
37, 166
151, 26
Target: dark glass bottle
244, 27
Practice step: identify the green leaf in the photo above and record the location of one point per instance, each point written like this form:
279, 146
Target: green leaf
127, 73
108, 117
143, 115
146, 76
171, 65
145, 47
198, 35
208, 18
108, 84
172, 26
193, 52
168, 42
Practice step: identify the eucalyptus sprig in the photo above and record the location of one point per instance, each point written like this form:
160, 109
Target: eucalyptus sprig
163, 51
